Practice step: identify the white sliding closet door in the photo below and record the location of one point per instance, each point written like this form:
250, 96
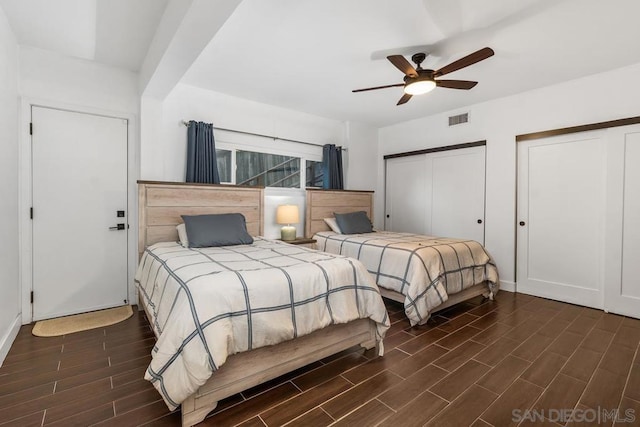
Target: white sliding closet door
457, 202
561, 213
438, 194
622, 279
406, 195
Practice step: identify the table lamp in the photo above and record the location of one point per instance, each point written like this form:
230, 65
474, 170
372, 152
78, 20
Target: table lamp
287, 214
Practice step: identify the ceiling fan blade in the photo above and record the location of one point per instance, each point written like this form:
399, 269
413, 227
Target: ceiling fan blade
377, 87
403, 65
456, 84
406, 97
470, 59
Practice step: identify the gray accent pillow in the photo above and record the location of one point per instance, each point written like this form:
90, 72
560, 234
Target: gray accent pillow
354, 222
205, 231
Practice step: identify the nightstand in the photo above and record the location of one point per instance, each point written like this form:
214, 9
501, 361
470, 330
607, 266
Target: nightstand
302, 241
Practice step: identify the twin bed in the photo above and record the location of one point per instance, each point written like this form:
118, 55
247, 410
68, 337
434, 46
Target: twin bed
426, 274
227, 318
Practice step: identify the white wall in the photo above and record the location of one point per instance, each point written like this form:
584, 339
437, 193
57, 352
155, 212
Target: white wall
607, 96
46, 75
362, 156
58, 81
164, 137
9, 242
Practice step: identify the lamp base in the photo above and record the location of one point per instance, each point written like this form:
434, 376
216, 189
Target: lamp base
288, 232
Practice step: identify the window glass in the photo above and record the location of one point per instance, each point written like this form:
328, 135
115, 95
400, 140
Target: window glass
269, 170
224, 165
314, 174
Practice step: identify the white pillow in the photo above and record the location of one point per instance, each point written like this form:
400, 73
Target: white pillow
333, 224
182, 235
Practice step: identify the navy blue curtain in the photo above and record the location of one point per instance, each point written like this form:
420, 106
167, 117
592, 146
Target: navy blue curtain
202, 165
332, 167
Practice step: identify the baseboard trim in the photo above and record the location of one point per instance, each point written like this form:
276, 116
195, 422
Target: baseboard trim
507, 286
9, 337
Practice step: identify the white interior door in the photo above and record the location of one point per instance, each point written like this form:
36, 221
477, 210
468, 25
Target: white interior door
458, 194
406, 195
622, 285
561, 210
79, 185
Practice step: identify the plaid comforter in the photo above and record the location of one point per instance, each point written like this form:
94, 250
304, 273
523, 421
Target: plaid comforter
206, 304
424, 269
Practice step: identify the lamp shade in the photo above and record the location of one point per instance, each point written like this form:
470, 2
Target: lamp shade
287, 214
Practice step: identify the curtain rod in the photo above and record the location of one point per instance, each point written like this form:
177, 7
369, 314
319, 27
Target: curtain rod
186, 123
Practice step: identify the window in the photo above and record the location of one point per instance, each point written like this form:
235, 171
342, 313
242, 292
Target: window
269, 170
223, 158
314, 174
244, 164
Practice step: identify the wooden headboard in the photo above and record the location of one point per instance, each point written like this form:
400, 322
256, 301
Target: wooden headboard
323, 203
160, 205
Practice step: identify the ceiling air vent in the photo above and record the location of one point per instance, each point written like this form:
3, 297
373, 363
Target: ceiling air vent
459, 119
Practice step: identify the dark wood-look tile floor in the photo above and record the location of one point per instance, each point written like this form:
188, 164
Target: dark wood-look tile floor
474, 364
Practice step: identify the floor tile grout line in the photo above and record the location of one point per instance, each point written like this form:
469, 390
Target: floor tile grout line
532, 383
49, 396
292, 397
519, 377
504, 391
351, 382
564, 364
377, 398
632, 399
294, 385
322, 409
448, 402
486, 364
626, 382
335, 420
334, 397
531, 306
482, 387
485, 421
402, 351
296, 395
598, 365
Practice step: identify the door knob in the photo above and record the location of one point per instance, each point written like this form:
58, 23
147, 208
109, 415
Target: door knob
479, 221
522, 223
387, 216
117, 227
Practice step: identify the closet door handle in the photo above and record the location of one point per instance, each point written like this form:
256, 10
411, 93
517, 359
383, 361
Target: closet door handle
522, 223
479, 221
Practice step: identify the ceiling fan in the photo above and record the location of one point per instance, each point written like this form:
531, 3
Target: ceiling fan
418, 80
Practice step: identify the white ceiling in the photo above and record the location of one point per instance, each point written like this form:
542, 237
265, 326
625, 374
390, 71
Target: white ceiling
308, 55
113, 32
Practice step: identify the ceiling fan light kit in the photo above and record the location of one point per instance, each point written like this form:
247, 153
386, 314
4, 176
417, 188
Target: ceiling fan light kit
418, 81
418, 87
